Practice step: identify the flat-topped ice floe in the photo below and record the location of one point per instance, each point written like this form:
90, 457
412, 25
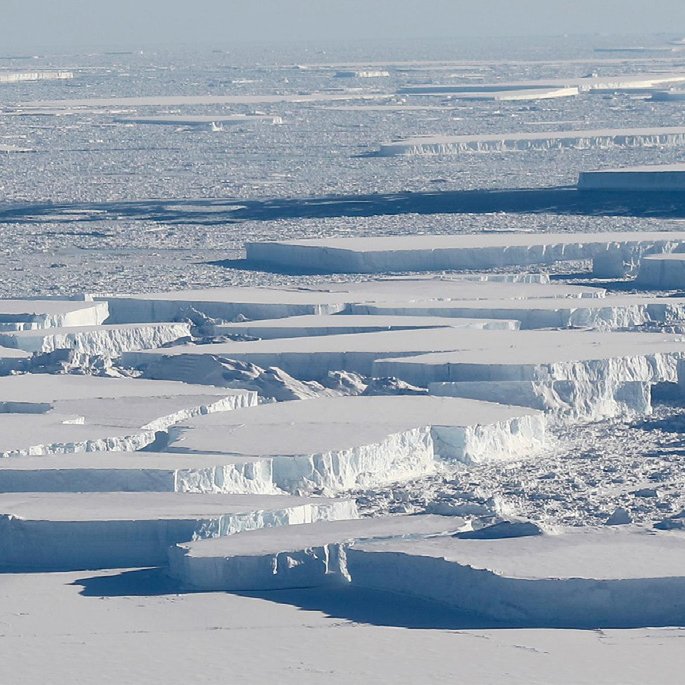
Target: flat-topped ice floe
580, 578
545, 355
543, 141
18, 315
517, 95
658, 178
270, 303
137, 472
612, 253
621, 82
662, 271
47, 414
294, 557
335, 444
200, 119
65, 531
607, 313
105, 340
45, 75
338, 324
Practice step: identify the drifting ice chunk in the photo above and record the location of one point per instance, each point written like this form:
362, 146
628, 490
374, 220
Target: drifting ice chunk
546, 356
580, 400
607, 313
60, 531
613, 253
577, 579
658, 178
23, 76
109, 341
293, 557
547, 140
137, 472
44, 414
347, 442
20, 315
662, 271
305, 326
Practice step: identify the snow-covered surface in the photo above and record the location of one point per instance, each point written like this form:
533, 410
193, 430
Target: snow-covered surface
296, 557
660, 178
437, 252
662, 271
105, 530
513, 95
199, 119
543, 140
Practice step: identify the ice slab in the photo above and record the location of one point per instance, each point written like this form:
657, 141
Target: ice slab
608, 313
347, 442
673, 95
137, 472
659, 178
545, 355
32, 314
620, 82
200, 119
45, 414
512, 95
294, 557
65, 531
105, 340
613, 253
14, 148
662, 271
43, 75
544, 141
578, 578
270, 303
12, 360
564, 400
305, 326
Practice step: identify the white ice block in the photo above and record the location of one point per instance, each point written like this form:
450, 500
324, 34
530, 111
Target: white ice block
586, 577
294, 557
613, 253
18, 315
658, 178
662, 271
64, 531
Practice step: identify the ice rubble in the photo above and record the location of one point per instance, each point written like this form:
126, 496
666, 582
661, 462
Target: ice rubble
303, 556
65, 531
662, 271
581, 577
544, 141
335, 444
657, 177
106, 340
613, 254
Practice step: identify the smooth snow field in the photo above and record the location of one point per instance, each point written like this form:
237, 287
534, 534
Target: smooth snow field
279, 407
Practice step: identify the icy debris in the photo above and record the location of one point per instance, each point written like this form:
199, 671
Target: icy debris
501, 531
619, 517
64, 531
577, 578
658, 177
299, 556
610, 251
544, 141
392, 386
